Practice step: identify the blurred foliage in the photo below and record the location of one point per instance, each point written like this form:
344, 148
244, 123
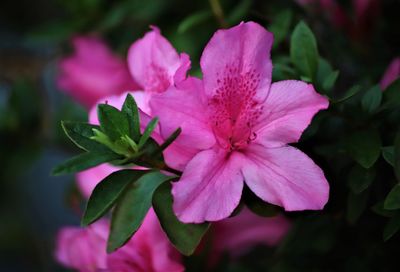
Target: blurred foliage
356, 142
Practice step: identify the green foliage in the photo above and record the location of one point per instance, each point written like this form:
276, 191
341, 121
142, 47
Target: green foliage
372, 99
185, 237
364, 147
107, 192
132, 208
304, 51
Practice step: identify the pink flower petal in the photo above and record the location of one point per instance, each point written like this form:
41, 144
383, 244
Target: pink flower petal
93, 72
286, 177
287, 112
83, 249
153, 62
239, 58
181, 107
238, 234
210, 187
391, 74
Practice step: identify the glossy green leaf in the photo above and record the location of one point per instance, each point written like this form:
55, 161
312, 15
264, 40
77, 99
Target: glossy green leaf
372, 99
132, 208
392, 227
364, 147
80, 134
185, 237
106, 193
304, 51
169, 140
360, 178
131, 110
113, 122
280, 25
392, 201
147, 132
84, 161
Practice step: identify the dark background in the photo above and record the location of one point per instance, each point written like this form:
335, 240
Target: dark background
34, 205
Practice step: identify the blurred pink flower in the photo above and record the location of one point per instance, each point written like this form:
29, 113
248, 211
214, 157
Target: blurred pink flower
93, 72
148, 250
83, 249
236, 126
358, 25
239, 234
391, 74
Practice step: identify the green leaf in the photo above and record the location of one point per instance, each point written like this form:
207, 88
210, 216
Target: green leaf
392, 201
304, 51
280, 25
392, 227
391, 95
113, 122
132, 208
147, 132
372, 99
356, 204
239, 12
193, 20
257, 205
378, 208
131, 110
397, 155
185, 237
364, 147
361, 178
349, 94
170, 139
330, 80
388, 154
106, 193
80, 134
84, 161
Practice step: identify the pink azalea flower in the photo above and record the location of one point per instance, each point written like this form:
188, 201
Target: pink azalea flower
235, 128
358, 25
391, 74
239, 234
83, 249
93, 72
148, 250
155, 65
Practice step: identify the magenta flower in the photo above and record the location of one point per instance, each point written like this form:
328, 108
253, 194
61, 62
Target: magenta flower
391, 74
83, 249
93, 72
239, 234
148, 250
155, 65
235, 129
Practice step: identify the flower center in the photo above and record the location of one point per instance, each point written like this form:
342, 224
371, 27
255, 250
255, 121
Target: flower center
233, 109
157, 79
